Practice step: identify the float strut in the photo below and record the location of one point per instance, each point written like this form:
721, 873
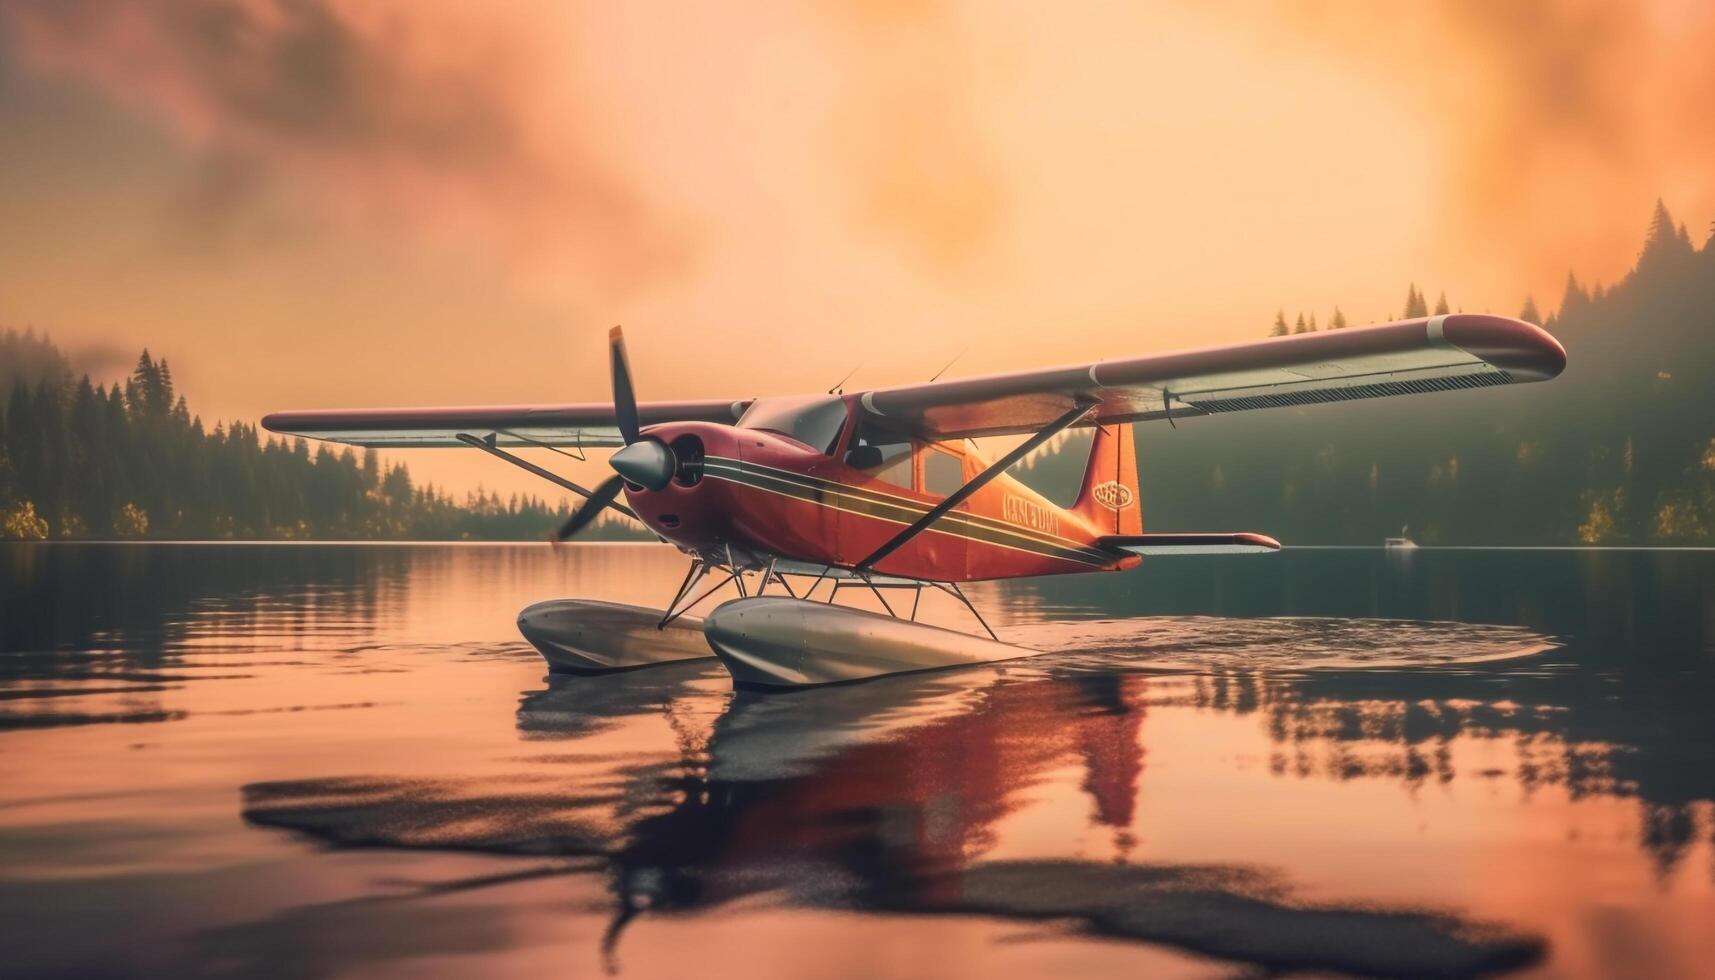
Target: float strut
693, 575
770, 574
737, 575
709, 592
825, 570
879, 596
953, 588
780, 577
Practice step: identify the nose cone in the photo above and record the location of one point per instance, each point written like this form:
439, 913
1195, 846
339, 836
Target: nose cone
646, 463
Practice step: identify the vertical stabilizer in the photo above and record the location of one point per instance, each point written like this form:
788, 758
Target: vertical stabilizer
1110, 497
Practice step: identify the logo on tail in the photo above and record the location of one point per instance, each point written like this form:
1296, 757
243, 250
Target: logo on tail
1113, 495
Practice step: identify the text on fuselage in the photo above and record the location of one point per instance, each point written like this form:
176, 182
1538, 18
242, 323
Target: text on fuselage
1032, 514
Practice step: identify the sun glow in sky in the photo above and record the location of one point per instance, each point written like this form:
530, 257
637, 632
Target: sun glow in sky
327, 203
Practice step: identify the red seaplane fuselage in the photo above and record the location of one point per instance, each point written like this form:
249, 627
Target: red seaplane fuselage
780, 486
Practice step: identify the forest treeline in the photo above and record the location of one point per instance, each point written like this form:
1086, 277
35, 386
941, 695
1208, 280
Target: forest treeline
84, 460
1620, 449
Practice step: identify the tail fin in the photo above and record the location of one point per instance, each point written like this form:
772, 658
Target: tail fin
1111, 498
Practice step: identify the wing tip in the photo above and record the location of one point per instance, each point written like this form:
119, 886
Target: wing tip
1263, 541
1522, 349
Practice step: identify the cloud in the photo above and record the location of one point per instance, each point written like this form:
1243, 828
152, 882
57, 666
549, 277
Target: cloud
535, 129
921, 168
1565, 119
744, 162
399, 114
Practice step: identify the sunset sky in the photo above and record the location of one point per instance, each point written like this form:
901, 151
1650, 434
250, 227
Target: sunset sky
330, 203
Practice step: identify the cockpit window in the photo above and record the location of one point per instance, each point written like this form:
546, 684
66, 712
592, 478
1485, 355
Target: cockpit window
943, 474
881, 455
814, 420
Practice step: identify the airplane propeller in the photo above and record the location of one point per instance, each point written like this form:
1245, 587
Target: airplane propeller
599, 498
624, 396
645, 462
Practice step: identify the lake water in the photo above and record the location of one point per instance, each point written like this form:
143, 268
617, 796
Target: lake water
311, 761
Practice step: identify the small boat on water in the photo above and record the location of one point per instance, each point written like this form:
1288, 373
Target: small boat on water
1401, 543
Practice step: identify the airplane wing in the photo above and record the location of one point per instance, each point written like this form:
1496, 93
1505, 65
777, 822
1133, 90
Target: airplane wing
1439, 353
590, 425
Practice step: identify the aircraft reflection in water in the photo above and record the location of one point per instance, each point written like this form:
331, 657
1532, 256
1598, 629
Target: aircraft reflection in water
886, 797
876, 816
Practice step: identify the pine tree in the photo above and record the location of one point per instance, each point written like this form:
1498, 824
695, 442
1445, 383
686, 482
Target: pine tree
1279, 329
1530, 314
1337, 321
1441, 308
1661, 227
1574, 298
165, 384
1414, 303
1298, 326
1665, 243
1312, 327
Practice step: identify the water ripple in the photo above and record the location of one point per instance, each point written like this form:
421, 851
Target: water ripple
1273, 644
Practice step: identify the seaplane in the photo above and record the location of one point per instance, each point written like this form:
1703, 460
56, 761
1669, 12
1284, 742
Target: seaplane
884, 491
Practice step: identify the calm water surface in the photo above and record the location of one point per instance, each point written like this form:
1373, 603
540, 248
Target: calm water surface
313, 761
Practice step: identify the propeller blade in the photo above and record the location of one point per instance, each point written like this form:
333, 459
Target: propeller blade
600, 498
624, 396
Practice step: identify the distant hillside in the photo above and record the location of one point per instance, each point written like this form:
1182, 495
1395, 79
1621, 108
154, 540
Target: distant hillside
85, 461
1619, 449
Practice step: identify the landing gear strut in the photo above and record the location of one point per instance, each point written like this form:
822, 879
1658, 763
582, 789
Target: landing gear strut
702, 567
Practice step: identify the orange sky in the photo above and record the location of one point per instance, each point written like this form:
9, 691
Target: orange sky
327, 203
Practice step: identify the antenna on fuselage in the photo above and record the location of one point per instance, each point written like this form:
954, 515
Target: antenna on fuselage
937, 375
837, 386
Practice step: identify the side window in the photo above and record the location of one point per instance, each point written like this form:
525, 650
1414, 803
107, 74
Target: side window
942, 473
882, 455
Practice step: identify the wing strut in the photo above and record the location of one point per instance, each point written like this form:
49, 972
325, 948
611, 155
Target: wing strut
957, 497
488, 447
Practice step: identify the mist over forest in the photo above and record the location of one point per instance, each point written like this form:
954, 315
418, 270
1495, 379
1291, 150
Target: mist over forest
1619, 450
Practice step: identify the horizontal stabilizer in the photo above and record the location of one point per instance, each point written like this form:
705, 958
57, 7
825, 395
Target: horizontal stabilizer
1191, 543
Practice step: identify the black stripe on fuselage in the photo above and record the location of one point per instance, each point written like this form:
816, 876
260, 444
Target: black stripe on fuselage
897, 510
